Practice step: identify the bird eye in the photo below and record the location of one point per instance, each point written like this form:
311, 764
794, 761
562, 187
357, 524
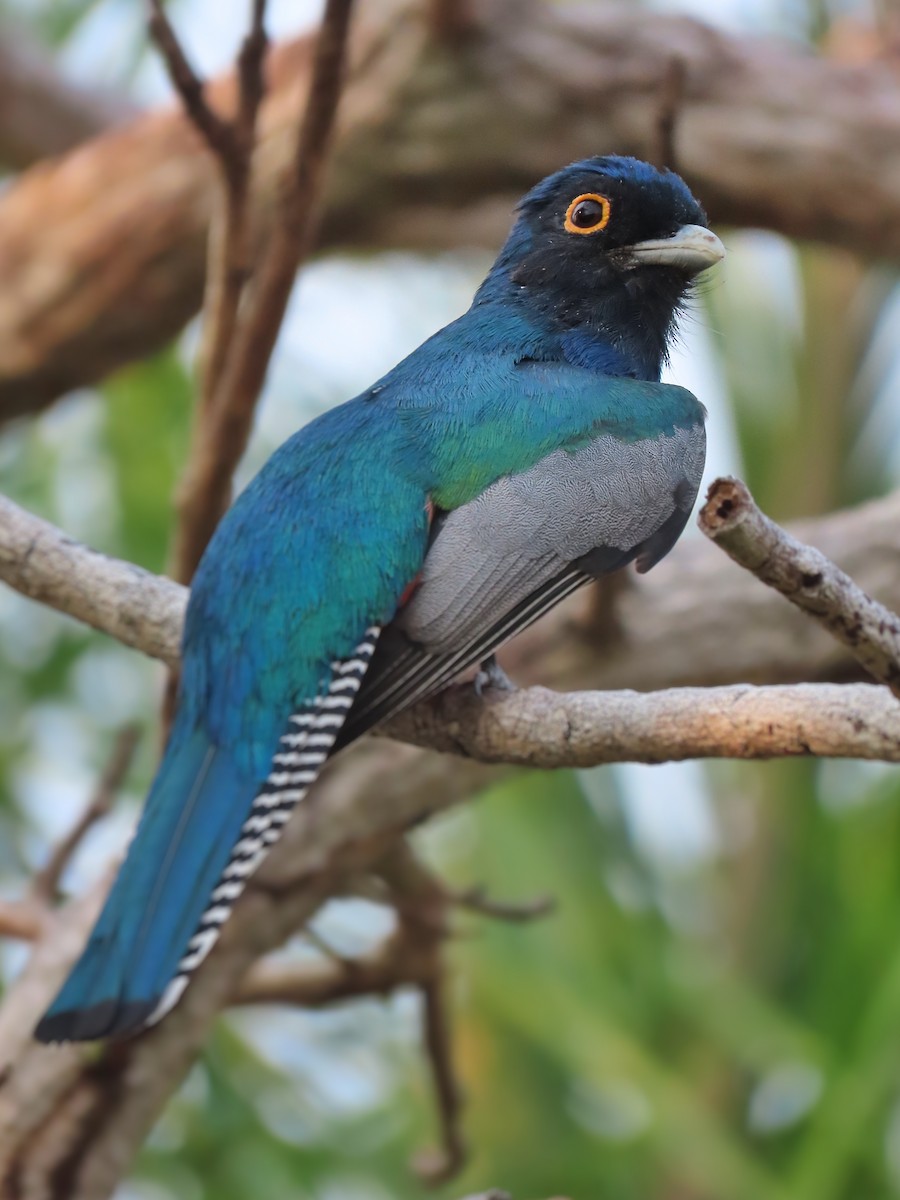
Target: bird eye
588, 213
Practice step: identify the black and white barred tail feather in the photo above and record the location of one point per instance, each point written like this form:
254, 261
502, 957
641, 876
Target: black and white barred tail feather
302, 750
206, 827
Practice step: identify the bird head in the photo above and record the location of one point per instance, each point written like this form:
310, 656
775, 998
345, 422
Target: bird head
609, 246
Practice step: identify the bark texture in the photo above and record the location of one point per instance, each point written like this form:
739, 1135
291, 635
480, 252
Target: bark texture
694, 620
102, 252
805, 577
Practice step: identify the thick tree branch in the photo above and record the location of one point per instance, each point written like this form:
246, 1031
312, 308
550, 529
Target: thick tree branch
41, 113
434, 149
534, 727
142, 610
692, 620
22, 920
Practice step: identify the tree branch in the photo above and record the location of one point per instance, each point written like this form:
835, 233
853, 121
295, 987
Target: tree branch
476, 900
216, 132
41, 112
232, 142
803, 575
533, 727
337, 832
431, 159
231, 395
391, 965
22, 920
45, 883
661, 630
421, 904
142, 610
230, 252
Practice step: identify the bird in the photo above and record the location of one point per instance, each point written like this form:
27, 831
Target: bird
398, 539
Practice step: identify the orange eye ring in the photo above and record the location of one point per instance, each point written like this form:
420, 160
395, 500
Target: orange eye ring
602, 219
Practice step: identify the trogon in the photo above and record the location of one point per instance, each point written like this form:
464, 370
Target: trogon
399, 539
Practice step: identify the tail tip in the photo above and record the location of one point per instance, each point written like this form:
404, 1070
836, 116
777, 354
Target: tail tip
109, 1018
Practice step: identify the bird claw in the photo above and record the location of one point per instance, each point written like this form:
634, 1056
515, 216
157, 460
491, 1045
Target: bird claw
491, 675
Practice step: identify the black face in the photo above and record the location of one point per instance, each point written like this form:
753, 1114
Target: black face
569, 258
586, 217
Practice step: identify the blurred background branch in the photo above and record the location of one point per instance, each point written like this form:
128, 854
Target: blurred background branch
765, 133
246, 304
41, 112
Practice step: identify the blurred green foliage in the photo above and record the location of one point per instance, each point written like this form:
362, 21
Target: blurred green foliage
716, 1022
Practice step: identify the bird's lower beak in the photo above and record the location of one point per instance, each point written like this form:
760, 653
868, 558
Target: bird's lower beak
691, 249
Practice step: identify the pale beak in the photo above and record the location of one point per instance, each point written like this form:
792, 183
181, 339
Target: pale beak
691, 249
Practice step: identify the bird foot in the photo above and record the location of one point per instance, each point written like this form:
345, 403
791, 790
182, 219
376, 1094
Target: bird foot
491, 675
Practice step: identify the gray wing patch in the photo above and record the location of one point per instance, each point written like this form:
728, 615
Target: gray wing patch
500, 562
598, 507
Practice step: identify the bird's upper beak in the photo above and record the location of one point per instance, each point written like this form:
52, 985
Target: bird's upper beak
691, 249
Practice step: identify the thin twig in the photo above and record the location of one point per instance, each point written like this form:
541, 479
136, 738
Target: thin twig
251, 60
803, 575
421, 902
326, 949
437, 1166
476, 900
229, 253
46, 882
207, 485
608, 599
217, 133
229, 259
390, 966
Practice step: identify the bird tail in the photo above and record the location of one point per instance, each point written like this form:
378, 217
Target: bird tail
192, 820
